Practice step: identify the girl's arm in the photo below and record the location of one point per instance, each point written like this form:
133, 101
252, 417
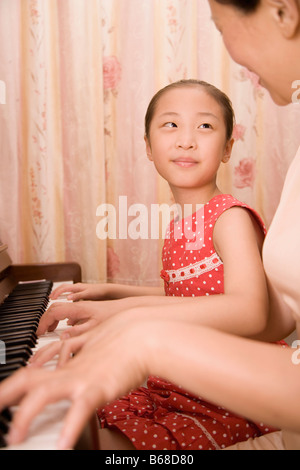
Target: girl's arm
242, 309
105, 291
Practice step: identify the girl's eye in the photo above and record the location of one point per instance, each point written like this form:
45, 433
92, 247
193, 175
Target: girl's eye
205, 126
170, 124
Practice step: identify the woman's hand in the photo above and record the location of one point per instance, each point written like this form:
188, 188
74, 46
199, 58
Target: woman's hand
112, 360
64, 350
72, 339
81, 315
74, 312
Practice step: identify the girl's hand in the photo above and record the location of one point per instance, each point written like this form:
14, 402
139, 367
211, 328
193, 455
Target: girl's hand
80, 291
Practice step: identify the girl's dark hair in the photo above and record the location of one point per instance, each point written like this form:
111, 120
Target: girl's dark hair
211, 90
248, 6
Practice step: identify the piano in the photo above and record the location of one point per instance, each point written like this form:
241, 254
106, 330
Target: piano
24, 297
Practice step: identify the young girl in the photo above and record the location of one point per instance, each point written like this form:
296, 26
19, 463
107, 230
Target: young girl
188, 134
215, 249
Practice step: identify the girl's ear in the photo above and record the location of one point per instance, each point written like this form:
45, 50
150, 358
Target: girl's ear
228, 150
148, 148
286, 13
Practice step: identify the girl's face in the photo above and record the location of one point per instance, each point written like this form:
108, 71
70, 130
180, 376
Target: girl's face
256, 42
187, 139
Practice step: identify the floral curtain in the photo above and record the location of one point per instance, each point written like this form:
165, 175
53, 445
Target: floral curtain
75, 80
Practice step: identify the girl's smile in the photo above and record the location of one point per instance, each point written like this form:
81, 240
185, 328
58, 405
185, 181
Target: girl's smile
185, 162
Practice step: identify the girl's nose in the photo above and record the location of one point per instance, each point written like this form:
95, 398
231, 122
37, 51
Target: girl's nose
186, 141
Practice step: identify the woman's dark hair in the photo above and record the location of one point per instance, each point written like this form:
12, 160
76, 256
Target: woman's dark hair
218, 95
248, 6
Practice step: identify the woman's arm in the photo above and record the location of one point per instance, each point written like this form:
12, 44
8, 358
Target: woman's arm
253, 379
257, 380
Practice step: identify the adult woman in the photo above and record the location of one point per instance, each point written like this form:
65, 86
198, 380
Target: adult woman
262, 381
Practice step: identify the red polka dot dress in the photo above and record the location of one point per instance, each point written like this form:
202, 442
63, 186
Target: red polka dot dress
164, 416
191, 266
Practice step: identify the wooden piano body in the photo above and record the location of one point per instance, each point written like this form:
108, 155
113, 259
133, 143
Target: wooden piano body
11, 274
46, 429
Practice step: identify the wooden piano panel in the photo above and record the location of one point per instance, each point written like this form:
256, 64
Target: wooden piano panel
11, 274
6, 283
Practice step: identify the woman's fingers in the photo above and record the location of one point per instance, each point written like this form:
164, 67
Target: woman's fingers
60, 311
75, 421
34, 389
63, 349
68, 349
45, 354
105, 368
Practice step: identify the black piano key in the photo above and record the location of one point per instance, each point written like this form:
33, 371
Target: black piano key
20, 315
12, 362
33, 294
19, 327
19, 341
2, 441
5, 419
21, 309
6, 370
18, 321
45, 286
19, 318
6, 323
4, 425
7, 337
20, 352
6, 413
20, 305
10, 336
22, 288
24, 298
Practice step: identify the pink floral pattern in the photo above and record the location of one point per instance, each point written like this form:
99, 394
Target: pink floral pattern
239, 132
113, 263
111, 72
35, 200
176, 37
34, 12
244, 173
246, 75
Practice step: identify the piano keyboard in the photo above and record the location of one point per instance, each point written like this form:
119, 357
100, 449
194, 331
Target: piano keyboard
46, 427
19, 318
